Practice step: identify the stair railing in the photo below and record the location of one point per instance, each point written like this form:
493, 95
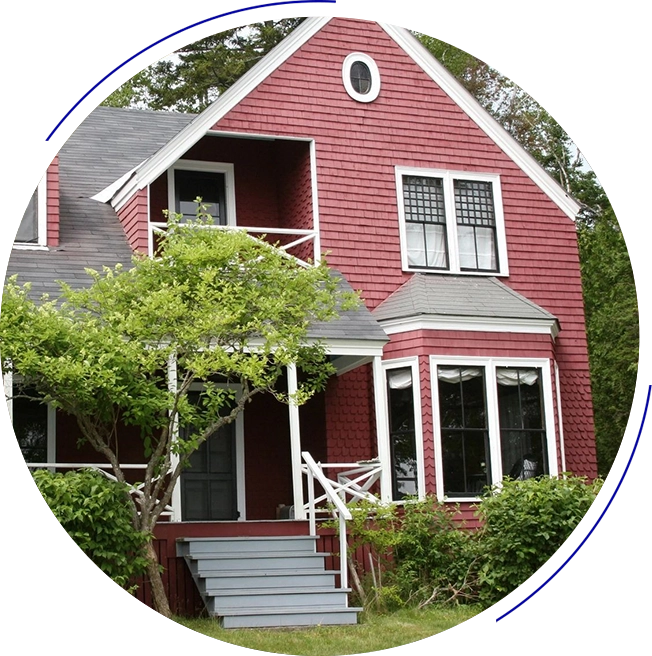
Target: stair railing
355, 482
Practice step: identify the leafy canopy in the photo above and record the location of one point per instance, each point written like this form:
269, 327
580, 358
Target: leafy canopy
227, 307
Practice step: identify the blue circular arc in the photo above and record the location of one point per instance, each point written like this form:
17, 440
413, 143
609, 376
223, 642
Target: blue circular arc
183, 29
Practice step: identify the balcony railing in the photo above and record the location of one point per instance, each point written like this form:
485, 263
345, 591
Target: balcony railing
300, 236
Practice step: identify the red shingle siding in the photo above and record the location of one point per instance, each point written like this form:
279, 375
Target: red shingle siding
414, 123
52, 191
133, 217
350, 418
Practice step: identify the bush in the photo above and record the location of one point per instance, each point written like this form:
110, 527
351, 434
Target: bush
524, 523
421, 554
96, 514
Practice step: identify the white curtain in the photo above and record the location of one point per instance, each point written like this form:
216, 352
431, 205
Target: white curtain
399, 378
452, 375
511, 377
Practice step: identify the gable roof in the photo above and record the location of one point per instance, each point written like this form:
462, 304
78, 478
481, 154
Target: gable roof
459, 299
108, 145
149, 170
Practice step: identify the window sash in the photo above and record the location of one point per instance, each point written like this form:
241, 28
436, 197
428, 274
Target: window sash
518, 429
451, 221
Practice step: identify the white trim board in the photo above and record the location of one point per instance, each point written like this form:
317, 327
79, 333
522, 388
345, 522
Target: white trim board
471, 324
463, 99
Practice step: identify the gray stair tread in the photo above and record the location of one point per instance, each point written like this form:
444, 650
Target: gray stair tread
276, 591
286, 610
230, 555
307, 571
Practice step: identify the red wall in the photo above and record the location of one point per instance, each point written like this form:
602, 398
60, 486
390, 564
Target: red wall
131, 217
414, 123
350, 417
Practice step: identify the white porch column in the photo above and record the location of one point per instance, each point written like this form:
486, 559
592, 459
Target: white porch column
382, 429
295, 445
175, 502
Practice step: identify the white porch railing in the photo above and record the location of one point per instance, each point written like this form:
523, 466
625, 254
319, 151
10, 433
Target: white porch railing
352, 482
301, 236
135, 490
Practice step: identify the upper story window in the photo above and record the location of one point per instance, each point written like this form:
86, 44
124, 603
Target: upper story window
210, 181
361, 77
32, 231
451, 222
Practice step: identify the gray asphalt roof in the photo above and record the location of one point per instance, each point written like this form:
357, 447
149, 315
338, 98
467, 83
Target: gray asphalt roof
459, 296
106, 146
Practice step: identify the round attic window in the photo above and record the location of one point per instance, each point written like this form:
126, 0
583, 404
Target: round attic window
361, 77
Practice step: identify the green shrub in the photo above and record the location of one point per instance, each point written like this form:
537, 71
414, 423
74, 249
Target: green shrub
524, 523
96, 514
420, 554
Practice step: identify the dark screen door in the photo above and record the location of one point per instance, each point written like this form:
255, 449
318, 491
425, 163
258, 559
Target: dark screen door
208, 486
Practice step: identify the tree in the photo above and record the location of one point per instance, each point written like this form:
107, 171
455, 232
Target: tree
607, 280
215, 305
199, 72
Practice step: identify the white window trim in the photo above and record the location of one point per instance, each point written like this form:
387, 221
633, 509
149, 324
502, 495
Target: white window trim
41, 220
375, 77
210, 167
448, 177
493, 425
241, 501
413, 363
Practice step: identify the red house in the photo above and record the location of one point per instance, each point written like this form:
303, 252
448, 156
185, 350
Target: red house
469, 361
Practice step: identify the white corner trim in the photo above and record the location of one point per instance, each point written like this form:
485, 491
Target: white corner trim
474, 324
374, 90
194, 131
442, 77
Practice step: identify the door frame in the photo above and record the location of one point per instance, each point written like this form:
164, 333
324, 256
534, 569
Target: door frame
240, 491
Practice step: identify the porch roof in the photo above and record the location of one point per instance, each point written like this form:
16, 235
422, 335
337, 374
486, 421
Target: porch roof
460, 297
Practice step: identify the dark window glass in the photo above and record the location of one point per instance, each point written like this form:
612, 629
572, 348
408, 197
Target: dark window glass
360, 78
28, 229
402, 433
209, 186
476, 225
425, 222
464, 433
30, 419
522, 428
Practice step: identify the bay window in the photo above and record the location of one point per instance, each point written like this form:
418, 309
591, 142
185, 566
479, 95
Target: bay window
492, 419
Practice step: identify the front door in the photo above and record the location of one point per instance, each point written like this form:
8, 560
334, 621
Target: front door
208, 485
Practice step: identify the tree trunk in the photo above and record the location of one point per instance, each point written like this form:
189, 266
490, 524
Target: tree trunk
161, 603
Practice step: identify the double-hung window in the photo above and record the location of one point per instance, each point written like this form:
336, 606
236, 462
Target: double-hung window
210, 181
451, 222
493, 418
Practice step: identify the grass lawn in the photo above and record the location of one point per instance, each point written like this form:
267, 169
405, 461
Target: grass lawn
373, 632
